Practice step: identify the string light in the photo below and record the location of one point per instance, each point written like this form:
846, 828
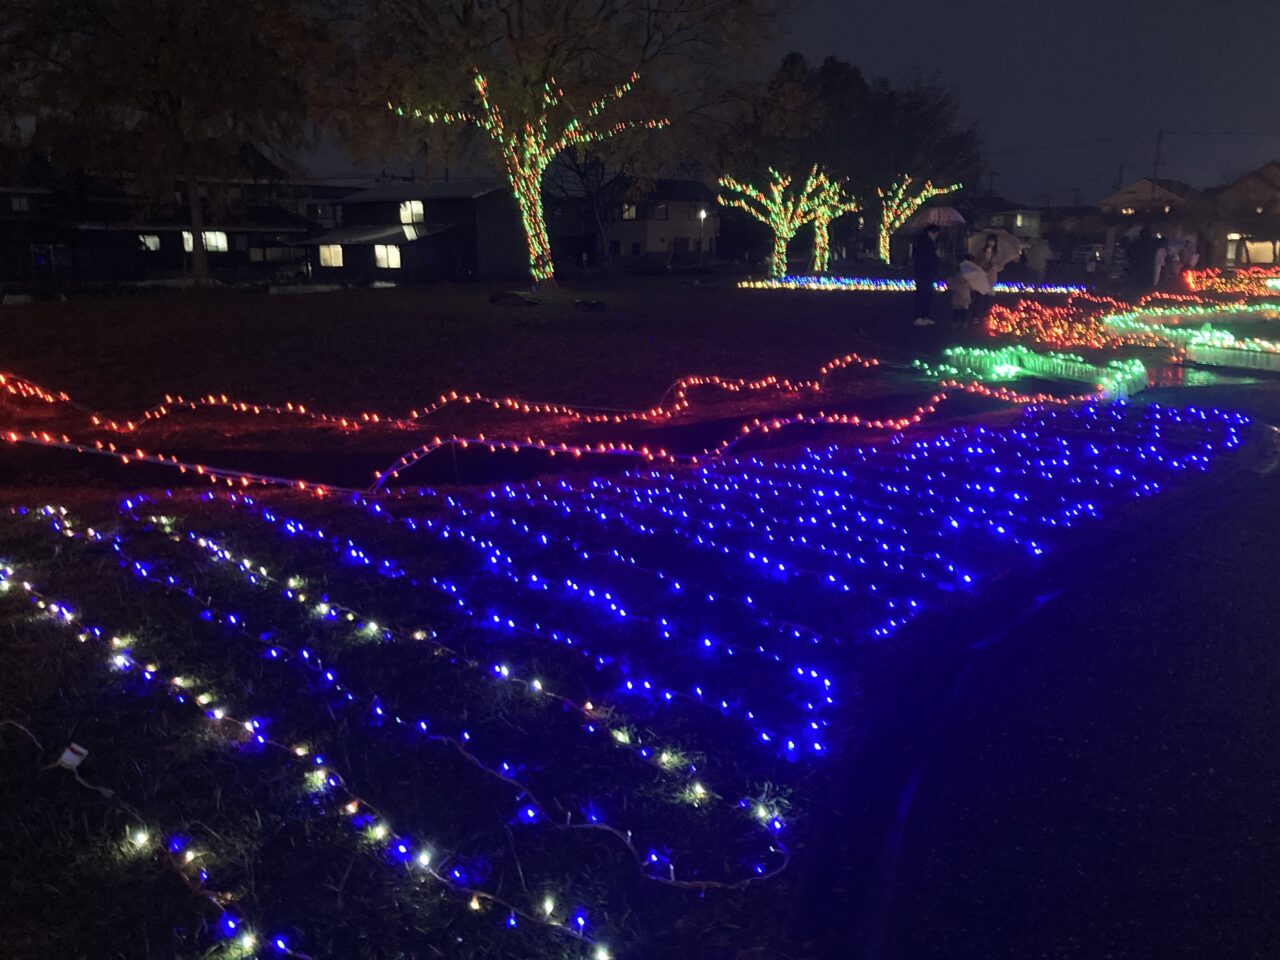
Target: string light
1248, 281
898, 204
529, 149
779, 208
831, 201
320, 780
894, 285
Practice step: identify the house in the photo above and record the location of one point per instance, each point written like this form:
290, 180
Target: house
1151, 197
664, 223
119, 235
1022, 222
406, 232
1246, 226
35, 251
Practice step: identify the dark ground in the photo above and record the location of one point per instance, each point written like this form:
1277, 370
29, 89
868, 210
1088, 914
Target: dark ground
1094, 779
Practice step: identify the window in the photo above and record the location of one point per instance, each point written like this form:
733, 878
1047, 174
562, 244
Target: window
411, 211
615, 248
997, 220
635, 249
1127, 212
215, 241
630, 212
330, 254
21, 204
1017, 220
659, 211
680, 245
386, 256
149, 242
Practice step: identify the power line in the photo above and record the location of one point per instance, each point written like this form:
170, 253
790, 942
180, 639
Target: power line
1066, 146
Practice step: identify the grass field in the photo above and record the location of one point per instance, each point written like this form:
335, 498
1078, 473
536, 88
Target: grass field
593, 713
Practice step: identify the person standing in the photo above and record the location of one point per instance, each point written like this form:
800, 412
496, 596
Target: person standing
924, 258
1038, 259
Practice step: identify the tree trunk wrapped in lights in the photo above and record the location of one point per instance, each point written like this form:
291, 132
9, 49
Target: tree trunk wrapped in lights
897, 204
528, 150
831, 201
781, 210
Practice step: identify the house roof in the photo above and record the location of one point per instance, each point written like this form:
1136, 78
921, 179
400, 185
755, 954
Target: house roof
377, 233
436, 190
693, 190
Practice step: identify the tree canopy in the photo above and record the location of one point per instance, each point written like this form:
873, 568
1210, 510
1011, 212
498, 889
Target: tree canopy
163, 89
868, 131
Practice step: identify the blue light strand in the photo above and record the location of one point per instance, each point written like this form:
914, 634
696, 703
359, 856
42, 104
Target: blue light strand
428, 729
419, 857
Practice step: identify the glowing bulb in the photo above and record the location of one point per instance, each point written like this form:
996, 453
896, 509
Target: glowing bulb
424, 859
380, 831
140, 838
475, 902
548, 906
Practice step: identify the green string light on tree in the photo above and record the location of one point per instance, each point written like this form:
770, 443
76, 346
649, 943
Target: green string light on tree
898, 203
782, 210
832, 200
530, 149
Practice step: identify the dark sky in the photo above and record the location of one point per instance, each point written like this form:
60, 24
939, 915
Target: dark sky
1065, 91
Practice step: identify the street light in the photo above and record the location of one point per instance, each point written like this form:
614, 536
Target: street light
702, 223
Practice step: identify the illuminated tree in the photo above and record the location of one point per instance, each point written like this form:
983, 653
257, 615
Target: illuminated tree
897, 204
528, 150
831, 200
782, 210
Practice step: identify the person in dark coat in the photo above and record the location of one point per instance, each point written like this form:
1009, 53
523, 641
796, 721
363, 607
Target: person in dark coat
924, 259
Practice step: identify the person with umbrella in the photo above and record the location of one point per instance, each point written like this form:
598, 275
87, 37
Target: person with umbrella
992, 251
924, 258
969, 279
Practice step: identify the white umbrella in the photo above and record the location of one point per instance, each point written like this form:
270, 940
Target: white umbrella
976, 277
1008, 247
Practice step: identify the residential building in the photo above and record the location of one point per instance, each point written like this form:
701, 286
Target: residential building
1151, 197
670, 222
406, 232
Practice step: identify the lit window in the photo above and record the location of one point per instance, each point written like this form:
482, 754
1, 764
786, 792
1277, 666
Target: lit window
1017, 220
1127, 212
330, 254
149, 242
21, 204
411, 211
386, 256
629, 211
215, 241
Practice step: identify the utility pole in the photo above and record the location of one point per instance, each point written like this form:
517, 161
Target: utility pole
1155, 167
991, 183
1120, 177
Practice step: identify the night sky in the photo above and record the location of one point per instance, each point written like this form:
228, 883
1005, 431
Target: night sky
1065, 91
